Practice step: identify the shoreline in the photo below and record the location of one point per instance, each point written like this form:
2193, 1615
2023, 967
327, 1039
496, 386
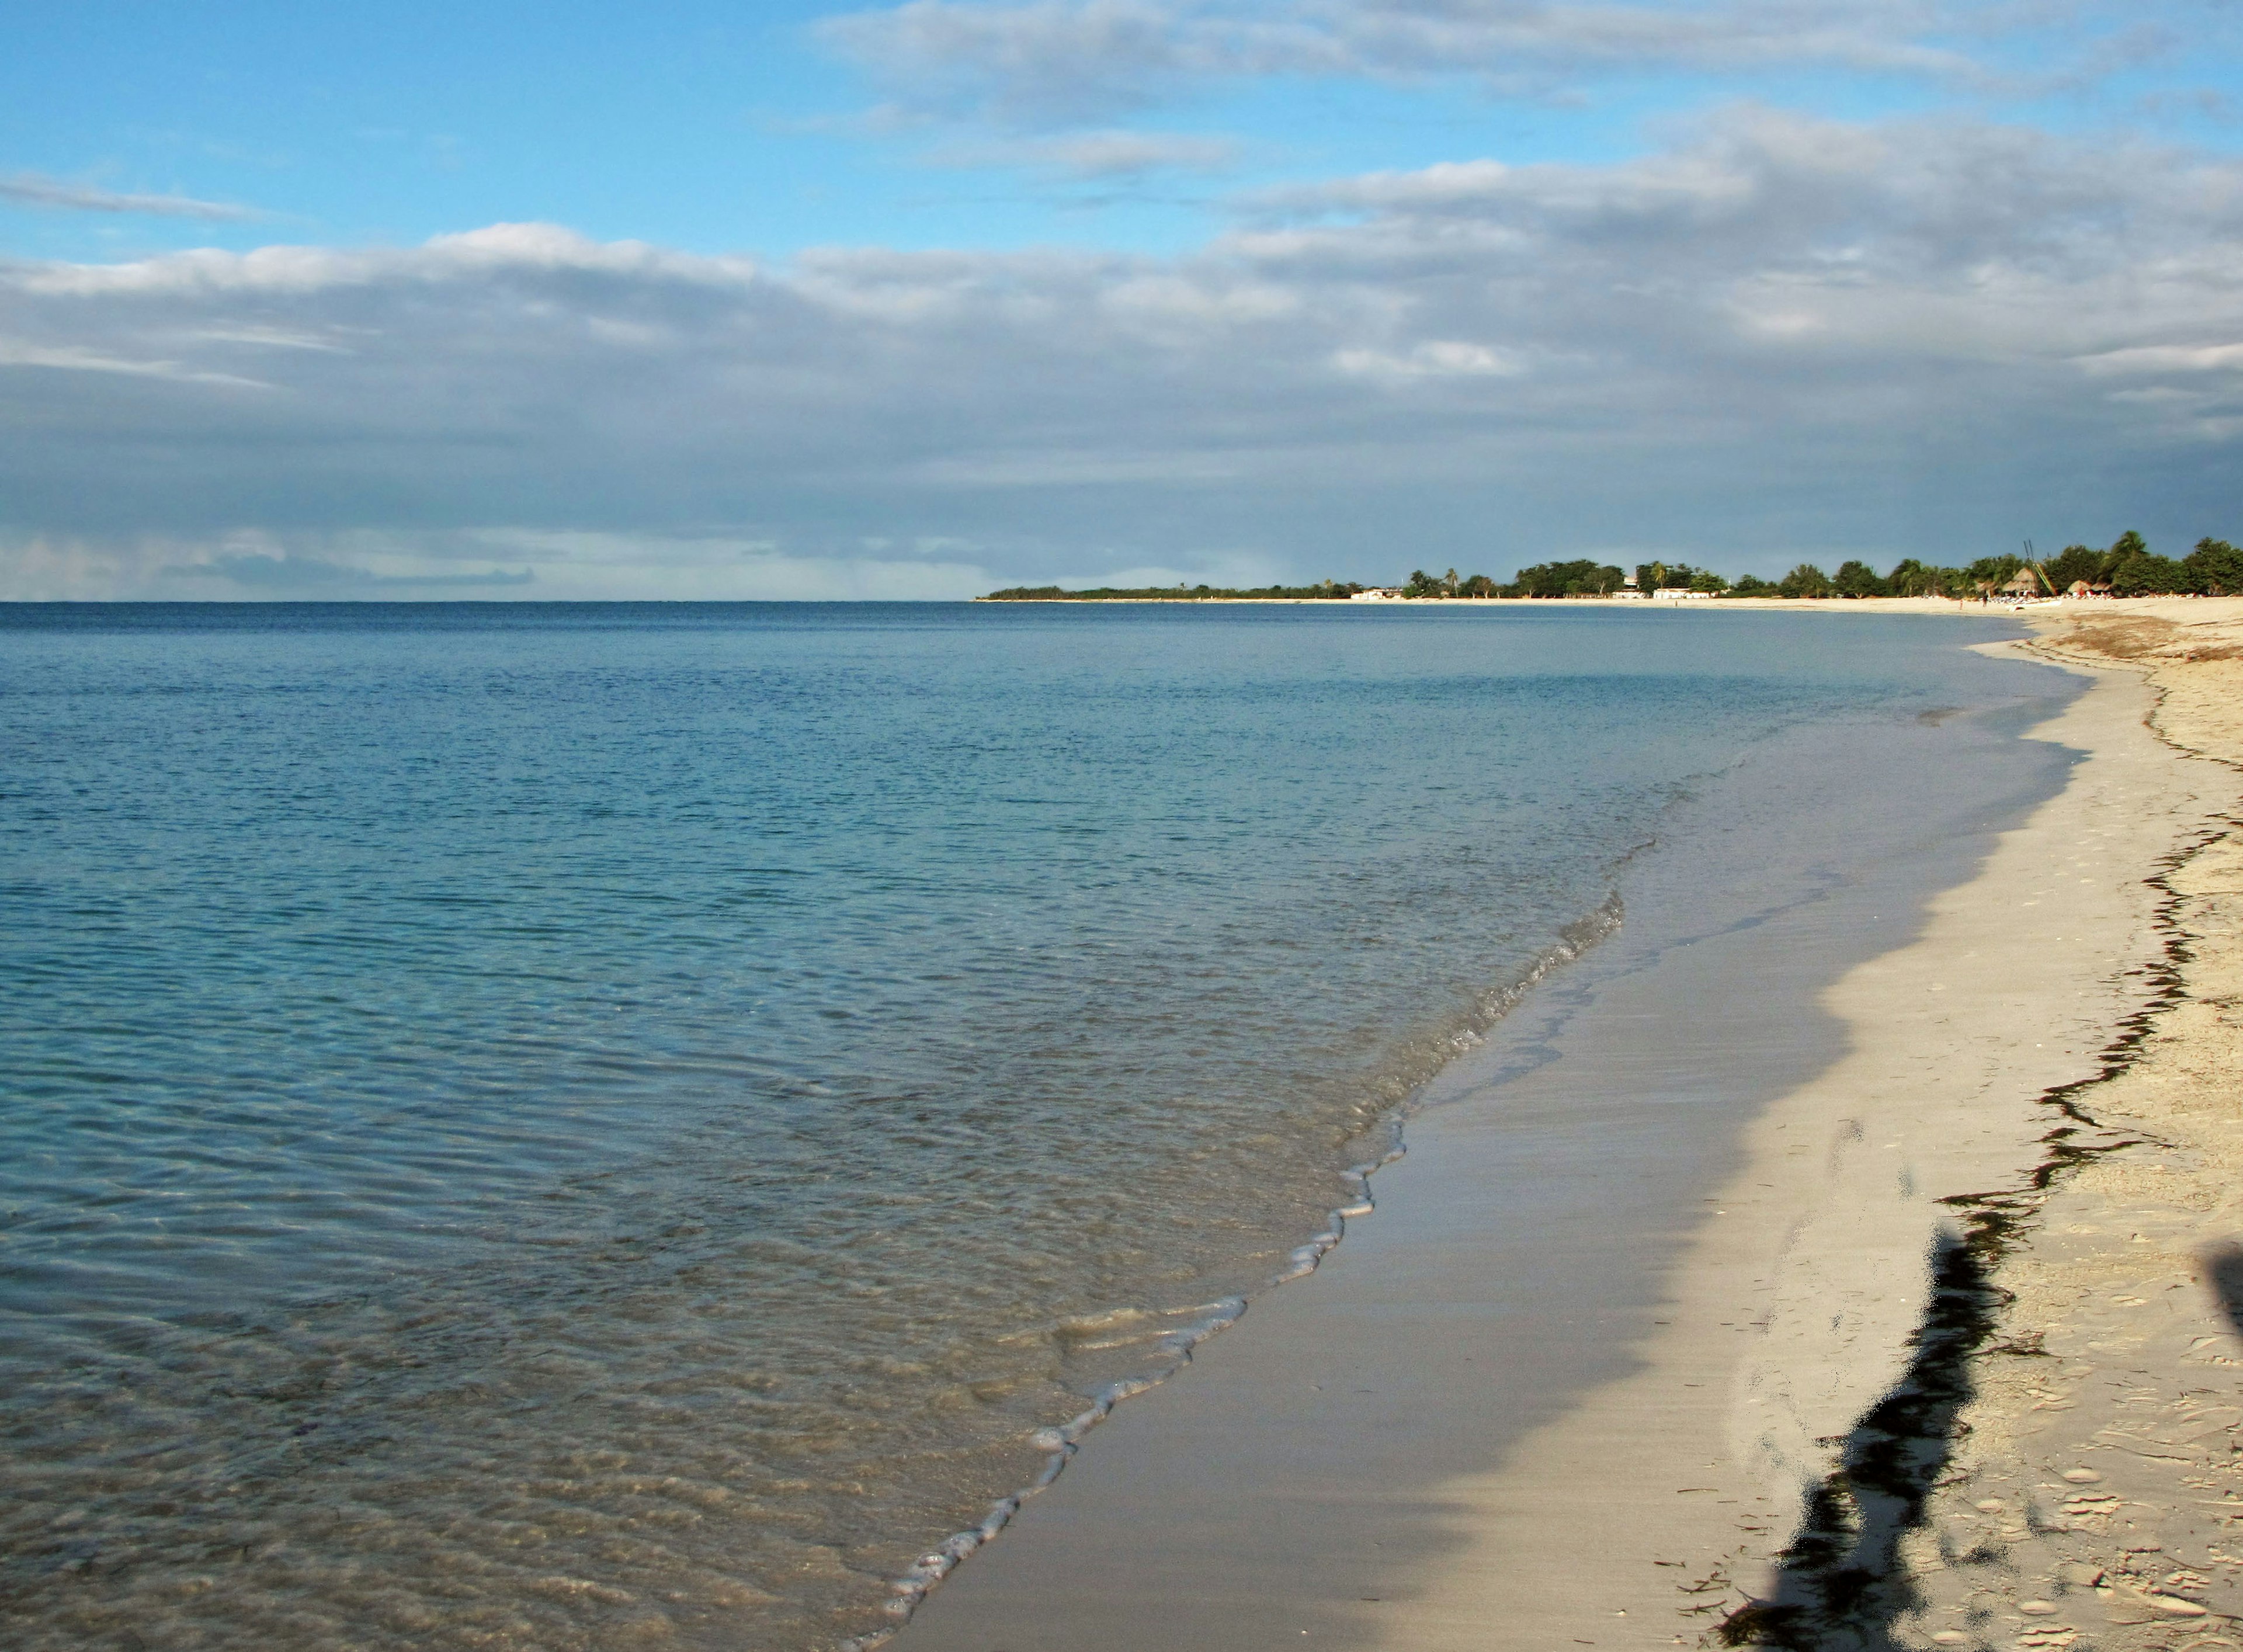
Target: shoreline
2036, 1440
1680, 1505
1958, 607
1257, 1499
1812, 1312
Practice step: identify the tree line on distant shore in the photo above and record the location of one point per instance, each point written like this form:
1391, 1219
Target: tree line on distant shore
2127, 568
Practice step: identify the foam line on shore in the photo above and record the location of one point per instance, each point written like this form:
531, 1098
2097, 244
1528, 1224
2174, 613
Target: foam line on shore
1062, 1442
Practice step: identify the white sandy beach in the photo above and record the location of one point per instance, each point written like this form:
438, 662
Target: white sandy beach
2095, 1495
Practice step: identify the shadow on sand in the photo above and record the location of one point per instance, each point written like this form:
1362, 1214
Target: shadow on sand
1841, 1586
2223, 1267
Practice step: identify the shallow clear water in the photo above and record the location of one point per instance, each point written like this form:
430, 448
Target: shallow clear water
582, 1125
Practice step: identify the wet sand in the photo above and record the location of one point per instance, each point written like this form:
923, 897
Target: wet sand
1400, 1451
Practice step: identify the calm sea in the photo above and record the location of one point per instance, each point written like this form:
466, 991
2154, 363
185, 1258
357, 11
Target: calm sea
581, 1126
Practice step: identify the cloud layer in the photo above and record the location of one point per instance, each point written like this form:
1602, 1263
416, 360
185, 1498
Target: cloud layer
30, 189
1095, 157
1779, 337
1064, 60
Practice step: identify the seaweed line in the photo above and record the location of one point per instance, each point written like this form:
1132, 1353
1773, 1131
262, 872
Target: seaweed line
1839, 1583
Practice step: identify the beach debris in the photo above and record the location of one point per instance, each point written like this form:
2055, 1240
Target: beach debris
2082, 1476
2037, 1608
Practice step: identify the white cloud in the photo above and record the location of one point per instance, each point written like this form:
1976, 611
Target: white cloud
271, 338
2168, 358
1074, 60
501, 249
30, 189
68, 358
1217, 567
1780, 331
1434, 358
1097, 155
503, 564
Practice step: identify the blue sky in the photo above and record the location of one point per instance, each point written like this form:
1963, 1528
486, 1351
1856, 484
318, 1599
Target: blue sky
805, 300
721, 128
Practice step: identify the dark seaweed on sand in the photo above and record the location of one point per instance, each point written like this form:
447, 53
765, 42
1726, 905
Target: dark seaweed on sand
1840, 1584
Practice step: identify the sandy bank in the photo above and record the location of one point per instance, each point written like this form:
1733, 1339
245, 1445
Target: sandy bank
1656, 1513
1859, 605
2095, 1496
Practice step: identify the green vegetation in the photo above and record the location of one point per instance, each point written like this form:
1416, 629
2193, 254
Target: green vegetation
1912, 578
1650, 576
1858, 579
2218, 564
2131, 569
2127, 567
1566, 579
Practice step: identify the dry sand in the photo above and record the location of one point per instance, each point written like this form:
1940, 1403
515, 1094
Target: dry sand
2095, 1497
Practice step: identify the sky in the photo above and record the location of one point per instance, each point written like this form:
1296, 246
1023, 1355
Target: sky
795, 300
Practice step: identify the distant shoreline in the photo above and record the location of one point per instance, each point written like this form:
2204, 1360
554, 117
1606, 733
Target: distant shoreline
1788, 605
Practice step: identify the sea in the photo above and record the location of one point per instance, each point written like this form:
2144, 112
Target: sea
585, 1126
